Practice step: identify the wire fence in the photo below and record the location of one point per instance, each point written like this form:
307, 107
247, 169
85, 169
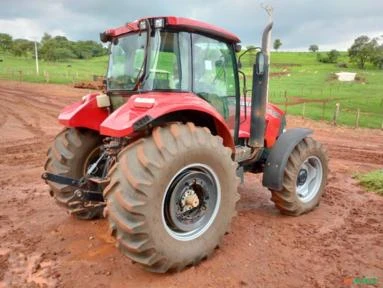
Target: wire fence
46, 76
336, 110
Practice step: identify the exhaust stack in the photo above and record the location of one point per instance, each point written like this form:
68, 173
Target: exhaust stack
260, 91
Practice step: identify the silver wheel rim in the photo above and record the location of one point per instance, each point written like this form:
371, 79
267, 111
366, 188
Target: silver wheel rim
195, 233
309, 179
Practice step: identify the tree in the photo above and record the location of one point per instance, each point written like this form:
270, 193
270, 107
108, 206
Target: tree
377, 59
88, 49
21, 47
277, 44
58, 48
313, 48
333, 56
330, 57
5, 42
46, 38
363, 50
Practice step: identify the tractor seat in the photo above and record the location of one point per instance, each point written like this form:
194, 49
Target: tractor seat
161, 84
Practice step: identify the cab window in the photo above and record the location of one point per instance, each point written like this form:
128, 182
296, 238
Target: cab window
213, 70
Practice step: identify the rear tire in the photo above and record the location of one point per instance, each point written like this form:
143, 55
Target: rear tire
144, 184
68, 156
304, 179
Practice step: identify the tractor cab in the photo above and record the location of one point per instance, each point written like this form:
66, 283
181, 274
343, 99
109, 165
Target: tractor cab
174, 55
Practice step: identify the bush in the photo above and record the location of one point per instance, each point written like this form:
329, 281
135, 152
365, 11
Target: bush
342, 65
330, 57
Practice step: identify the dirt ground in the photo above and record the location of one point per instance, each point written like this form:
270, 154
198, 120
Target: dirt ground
40, 245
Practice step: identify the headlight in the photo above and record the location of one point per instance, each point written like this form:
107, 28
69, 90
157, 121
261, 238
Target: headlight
142, 25
159, 23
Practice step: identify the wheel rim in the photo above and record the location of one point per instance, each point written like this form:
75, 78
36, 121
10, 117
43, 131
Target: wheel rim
92, 157
191, 202
309, 179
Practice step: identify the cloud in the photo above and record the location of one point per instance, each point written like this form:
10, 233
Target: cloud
26, 29
298, 23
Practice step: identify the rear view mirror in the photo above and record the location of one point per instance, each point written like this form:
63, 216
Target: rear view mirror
260, 64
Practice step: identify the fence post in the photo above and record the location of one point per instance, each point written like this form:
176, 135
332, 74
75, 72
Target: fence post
323, 109
285, 102
303, 109
336, 113
357, 118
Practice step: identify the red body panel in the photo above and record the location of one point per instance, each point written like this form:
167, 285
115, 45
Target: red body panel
273, 123
83, 114
181, 23
156, 104
120, 123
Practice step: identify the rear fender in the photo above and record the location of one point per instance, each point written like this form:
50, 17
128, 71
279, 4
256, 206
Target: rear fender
277, 160
144, 109
84, 114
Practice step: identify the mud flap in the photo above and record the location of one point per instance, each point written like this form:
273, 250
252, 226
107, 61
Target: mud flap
279, 154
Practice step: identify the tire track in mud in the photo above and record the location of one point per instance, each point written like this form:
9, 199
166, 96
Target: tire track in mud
22, 266
50, 101
30, 150
356, 154
3, 117
47, 108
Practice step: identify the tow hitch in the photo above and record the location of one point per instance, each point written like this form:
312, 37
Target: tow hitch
88, 193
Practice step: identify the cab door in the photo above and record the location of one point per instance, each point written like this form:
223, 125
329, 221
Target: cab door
214, 77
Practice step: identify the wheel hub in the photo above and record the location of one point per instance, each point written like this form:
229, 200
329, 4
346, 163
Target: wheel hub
189, 200
309, 179
302, 177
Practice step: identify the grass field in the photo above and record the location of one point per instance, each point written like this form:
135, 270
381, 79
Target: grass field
373, 181
20, 68
310, 81
308, 84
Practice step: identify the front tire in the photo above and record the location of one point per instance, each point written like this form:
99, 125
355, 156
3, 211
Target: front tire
304, 179
172, 197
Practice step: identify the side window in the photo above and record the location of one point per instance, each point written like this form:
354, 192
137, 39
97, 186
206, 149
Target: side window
169, 62
214, 78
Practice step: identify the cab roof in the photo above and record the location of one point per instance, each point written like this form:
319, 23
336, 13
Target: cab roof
178, 23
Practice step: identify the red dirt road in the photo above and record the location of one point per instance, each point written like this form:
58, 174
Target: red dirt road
41, 246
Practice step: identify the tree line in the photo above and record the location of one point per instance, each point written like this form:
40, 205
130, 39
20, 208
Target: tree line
58, 48
364, 50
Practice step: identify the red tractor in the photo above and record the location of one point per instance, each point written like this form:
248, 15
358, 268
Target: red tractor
161, 152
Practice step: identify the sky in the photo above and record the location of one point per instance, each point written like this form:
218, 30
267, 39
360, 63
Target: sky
331, 24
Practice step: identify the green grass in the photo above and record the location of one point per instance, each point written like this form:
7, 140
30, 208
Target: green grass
20, 68
372, 181
303, 78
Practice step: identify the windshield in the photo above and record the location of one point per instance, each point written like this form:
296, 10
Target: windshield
167, 67
126, 61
